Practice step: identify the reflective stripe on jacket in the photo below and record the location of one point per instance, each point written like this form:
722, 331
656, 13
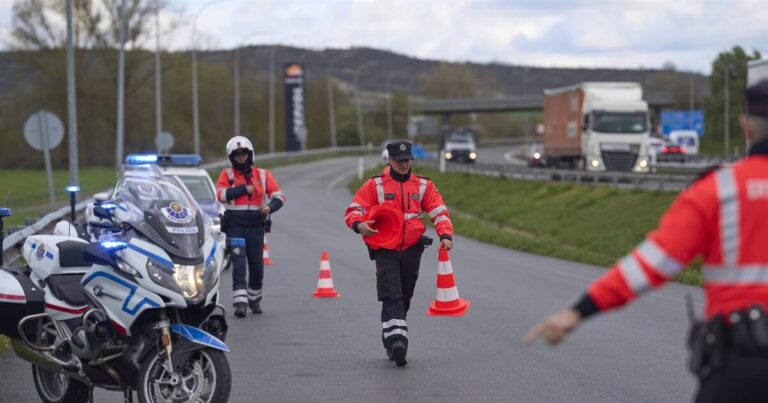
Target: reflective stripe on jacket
723, 218
255, 200
415, 196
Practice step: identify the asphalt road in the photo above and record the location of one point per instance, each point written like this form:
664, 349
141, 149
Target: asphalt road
303, 349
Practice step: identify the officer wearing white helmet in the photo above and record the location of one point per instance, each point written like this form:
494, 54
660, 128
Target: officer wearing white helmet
249, 195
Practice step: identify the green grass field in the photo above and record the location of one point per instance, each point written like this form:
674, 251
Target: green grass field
3, 344
26, 191
594, 225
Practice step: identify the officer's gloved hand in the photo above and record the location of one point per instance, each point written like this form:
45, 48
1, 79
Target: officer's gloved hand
447, 244
555, 328
365, 228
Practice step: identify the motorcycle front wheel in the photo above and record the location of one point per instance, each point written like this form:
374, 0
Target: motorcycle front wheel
205, 378
56, 387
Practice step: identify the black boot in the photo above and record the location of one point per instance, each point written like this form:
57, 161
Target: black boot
255, 306
241, 309
397, 352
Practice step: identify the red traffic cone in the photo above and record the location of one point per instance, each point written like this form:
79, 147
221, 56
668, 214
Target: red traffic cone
447, 302
265, 254
325, 280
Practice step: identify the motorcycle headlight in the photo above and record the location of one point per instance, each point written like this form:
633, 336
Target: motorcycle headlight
190, 279
162, 275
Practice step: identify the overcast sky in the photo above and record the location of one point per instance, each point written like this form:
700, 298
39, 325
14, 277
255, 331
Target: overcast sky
575, 33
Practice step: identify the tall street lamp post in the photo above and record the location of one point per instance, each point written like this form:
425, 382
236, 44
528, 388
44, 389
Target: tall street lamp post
195, 106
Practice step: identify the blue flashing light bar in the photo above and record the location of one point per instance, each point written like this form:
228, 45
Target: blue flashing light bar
165, 160
5, 212
108, 206
179, 160
112, 246
72, 189
140, 159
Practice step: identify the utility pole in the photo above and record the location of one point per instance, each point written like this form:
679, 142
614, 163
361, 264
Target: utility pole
71, 101
120, 129
158, 77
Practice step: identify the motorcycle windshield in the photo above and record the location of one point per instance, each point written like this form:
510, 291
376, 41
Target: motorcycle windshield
169, 216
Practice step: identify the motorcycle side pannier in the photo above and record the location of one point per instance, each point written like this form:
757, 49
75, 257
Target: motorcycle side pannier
19, 297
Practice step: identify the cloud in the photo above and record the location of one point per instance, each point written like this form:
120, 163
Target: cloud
595, 33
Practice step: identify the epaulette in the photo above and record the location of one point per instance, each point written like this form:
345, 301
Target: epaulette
377, 176
706, 172
423, 177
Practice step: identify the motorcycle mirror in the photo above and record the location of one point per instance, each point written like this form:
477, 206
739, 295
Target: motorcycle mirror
102, 212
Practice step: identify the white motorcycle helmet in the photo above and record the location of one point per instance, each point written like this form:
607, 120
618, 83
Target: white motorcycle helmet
239, 143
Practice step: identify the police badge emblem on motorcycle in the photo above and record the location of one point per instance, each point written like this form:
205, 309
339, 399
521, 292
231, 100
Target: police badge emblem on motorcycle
40, 252
176, 213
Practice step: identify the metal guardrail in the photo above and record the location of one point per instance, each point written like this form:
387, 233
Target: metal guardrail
648, 181
10, 253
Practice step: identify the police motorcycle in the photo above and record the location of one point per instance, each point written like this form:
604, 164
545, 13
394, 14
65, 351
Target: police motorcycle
136, 310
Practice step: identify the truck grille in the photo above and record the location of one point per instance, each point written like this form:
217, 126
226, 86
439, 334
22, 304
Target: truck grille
619, 160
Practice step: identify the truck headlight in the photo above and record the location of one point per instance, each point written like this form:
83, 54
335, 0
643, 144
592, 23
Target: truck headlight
448, 155
595, 163
472, 155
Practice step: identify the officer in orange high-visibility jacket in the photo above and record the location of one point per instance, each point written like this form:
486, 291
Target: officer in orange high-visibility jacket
722, 217
397, 268
249, 195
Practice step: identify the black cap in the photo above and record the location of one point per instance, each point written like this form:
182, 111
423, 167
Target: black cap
400, 150
756, 99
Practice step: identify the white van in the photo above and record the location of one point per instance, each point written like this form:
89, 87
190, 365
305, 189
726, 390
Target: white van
687, 139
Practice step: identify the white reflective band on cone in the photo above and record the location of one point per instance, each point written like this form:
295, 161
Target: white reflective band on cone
325, 265
325, 283
444, 267
447, 294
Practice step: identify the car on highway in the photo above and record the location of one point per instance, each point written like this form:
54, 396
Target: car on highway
687, 139
535, 155
671, 152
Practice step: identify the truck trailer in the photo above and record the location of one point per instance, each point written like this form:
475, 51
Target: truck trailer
597, 126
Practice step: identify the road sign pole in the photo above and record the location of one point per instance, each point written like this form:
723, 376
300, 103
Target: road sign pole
43, 129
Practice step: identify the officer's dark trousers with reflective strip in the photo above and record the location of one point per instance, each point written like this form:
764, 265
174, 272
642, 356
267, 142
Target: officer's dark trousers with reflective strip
743, 379
242, 290
396, 274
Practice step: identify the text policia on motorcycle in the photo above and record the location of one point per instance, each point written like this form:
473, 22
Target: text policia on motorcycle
387, 211
721, 217
134, 310
249, 195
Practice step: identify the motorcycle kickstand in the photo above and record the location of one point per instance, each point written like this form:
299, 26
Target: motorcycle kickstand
128, 396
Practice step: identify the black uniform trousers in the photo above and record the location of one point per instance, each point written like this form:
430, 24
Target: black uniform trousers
396, 274
250, 290
743, 379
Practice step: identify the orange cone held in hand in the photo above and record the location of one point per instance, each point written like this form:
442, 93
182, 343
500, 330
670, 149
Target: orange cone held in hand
265, 254
447, 302
325, 280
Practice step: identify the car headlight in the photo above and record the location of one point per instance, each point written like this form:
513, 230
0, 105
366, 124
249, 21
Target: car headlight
472, 155
448, 155
190, 279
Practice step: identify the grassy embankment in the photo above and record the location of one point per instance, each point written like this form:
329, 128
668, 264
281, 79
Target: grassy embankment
594, 225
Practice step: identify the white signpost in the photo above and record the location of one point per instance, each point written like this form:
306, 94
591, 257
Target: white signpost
43, 131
